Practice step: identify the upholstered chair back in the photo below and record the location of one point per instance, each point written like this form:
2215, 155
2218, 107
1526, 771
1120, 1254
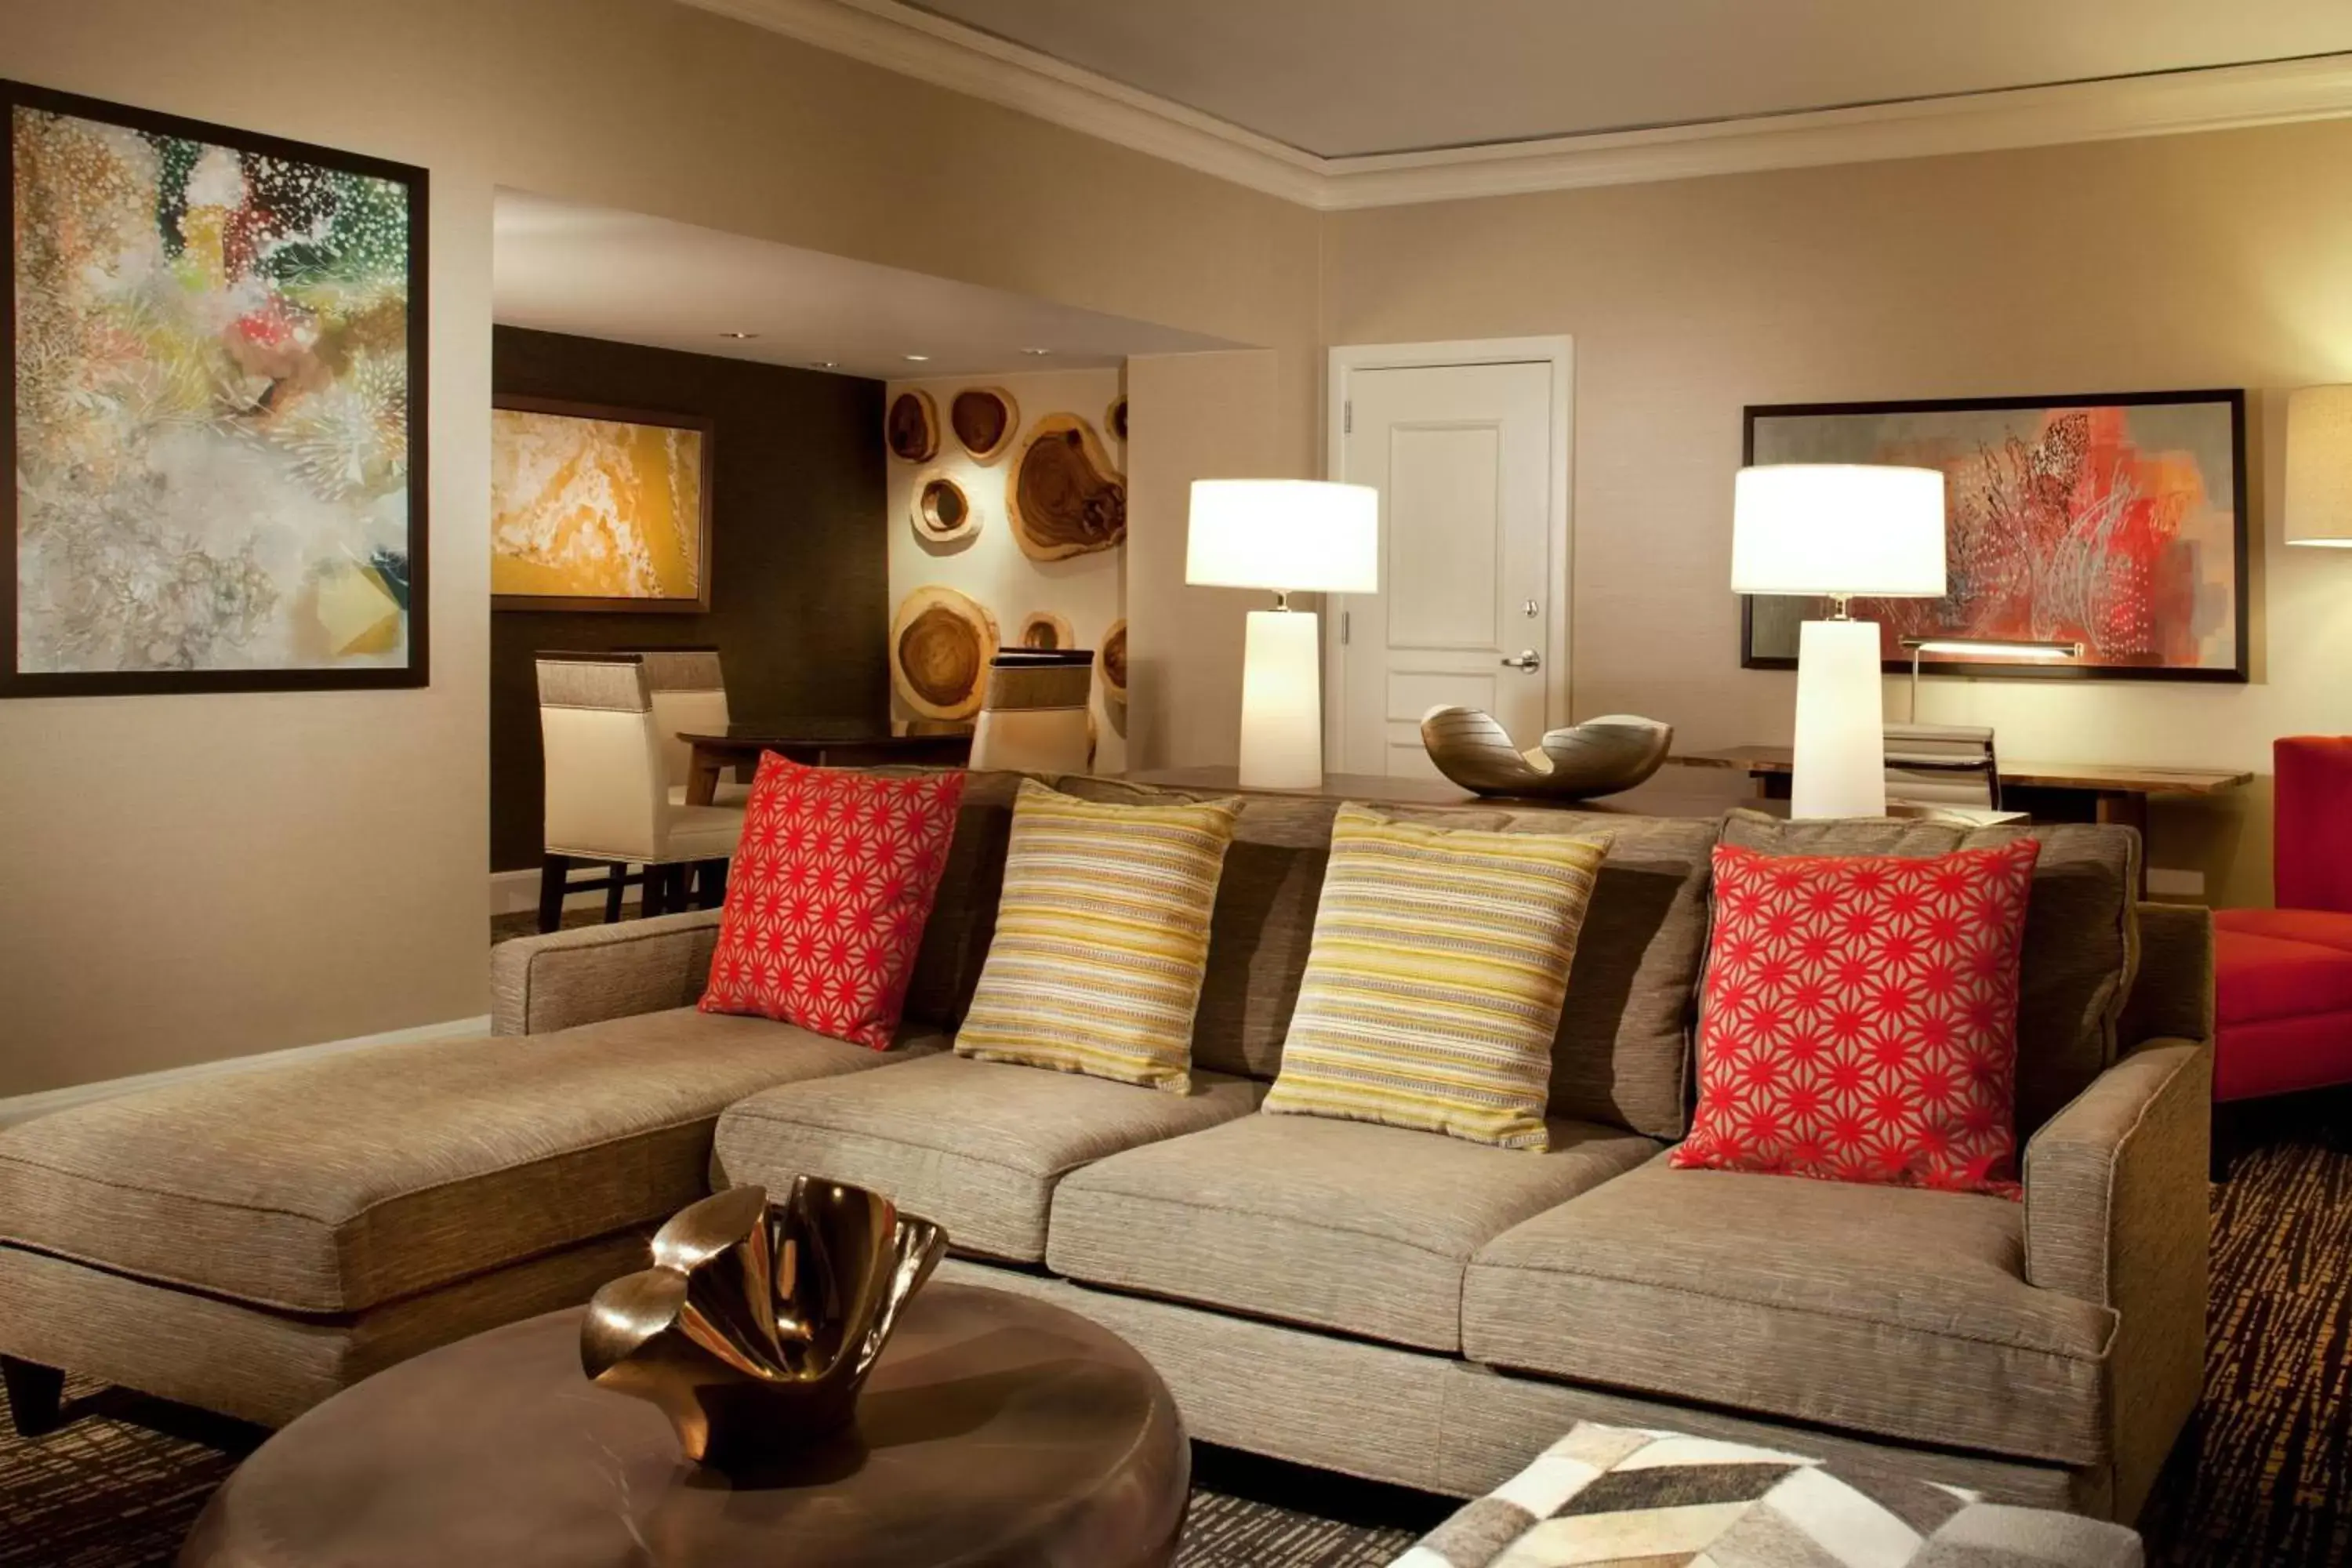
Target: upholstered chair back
607, 792
2311, 847
1942, 764
1033, 715
689, 696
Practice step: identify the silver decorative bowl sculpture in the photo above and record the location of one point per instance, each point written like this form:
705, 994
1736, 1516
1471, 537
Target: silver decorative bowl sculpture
1599, 756
758, 1322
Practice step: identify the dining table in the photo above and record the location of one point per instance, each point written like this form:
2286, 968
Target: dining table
818, 743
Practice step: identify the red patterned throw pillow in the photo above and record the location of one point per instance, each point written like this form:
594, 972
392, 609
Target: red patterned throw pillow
1859, 1018
827, 896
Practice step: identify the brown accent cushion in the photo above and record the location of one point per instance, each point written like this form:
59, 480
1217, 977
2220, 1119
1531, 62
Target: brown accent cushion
2082, 932
335, 1184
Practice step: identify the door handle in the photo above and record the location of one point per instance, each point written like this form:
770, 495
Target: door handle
1527, 658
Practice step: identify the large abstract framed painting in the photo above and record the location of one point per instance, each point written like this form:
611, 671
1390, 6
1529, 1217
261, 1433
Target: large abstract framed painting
598, 508
2117, 521
214, 425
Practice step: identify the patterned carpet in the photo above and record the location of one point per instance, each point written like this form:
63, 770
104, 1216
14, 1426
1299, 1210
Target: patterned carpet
2262, 1483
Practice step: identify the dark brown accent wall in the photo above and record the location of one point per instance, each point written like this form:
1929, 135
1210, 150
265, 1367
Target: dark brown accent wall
800, 577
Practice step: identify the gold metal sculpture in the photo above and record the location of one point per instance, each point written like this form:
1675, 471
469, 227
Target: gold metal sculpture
758, 1322
1599, 756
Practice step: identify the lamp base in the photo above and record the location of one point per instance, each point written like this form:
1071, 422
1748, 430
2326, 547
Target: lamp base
1840, 760
1282, 701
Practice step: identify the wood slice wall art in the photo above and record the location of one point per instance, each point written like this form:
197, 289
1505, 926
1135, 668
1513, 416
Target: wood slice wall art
944, 512
1111, 674
985, 419
1115, 419
1062, 498
1044, 629
911, 428
940, 645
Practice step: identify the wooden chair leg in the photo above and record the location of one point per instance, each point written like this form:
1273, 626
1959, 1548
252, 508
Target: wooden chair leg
712, 876
613, 891
35, 1395
554, 871
656, 892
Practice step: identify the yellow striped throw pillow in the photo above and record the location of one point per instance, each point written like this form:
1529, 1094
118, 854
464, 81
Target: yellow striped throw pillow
1434, 983
1101, 937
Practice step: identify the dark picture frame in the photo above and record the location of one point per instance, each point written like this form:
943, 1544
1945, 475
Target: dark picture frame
416, 340
2233, 400
703, 425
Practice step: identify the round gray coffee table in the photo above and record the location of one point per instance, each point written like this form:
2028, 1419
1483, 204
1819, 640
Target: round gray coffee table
995, 1429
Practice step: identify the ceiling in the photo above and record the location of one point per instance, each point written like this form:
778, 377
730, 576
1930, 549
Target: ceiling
594, 272
1353, 78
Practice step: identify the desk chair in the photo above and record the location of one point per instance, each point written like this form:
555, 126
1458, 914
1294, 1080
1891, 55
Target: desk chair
1942, 764
607, 795
1033, 716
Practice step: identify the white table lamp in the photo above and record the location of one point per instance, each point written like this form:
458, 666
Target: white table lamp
1290, 536
1837, 531
2319, 466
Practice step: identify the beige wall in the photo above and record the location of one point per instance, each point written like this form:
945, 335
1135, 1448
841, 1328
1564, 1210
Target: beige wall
186, 879
2219, 260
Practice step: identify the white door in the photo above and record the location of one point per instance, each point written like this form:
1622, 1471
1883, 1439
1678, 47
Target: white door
1462, 457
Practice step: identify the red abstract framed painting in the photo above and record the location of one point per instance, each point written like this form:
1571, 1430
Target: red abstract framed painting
2117, 520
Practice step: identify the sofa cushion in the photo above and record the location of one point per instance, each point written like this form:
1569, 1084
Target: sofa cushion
1102, 932
334, 1185
2082, 932
977, 1146
1337, 1225
1434, 989
2321, 928
1897, 1311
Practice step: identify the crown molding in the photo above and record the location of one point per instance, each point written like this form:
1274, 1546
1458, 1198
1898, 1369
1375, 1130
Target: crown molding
946, 54
963, 59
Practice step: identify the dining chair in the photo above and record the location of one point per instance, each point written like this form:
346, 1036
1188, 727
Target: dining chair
690, 695
607, 794
1942, 764
1033, 715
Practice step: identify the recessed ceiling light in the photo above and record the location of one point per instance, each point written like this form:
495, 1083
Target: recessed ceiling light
824, 364
919, 358
739, 337
1039, 352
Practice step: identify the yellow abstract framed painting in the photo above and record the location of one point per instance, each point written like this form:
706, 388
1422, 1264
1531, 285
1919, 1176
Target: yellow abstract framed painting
598, 508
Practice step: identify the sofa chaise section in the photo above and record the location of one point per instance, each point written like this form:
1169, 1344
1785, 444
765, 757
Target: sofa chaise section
314, 1221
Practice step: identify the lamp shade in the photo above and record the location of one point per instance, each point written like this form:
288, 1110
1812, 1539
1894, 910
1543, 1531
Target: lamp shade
2319, 466
1838, 528
1290, 535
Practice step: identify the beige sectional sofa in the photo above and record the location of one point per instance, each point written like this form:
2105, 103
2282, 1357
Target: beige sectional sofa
1394, 1304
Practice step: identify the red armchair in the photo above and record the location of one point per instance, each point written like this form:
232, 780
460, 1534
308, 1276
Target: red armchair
2283, 976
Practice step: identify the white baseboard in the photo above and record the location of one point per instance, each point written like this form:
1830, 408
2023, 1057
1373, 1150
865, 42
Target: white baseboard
25, 1107
511, 892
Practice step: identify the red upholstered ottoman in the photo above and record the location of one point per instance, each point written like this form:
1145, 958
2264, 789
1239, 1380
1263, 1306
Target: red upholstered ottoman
2283, 976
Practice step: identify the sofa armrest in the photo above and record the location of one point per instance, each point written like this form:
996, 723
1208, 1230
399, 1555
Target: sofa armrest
539, 983
2117, 1213
2121, 1168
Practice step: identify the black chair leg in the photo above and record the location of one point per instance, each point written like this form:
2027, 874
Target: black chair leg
35, 1395
655, 900
613, 891
554, 871
711, 878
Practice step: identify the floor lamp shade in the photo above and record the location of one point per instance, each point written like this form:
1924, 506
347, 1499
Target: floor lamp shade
1838, 531
1287, 536
2319, 466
